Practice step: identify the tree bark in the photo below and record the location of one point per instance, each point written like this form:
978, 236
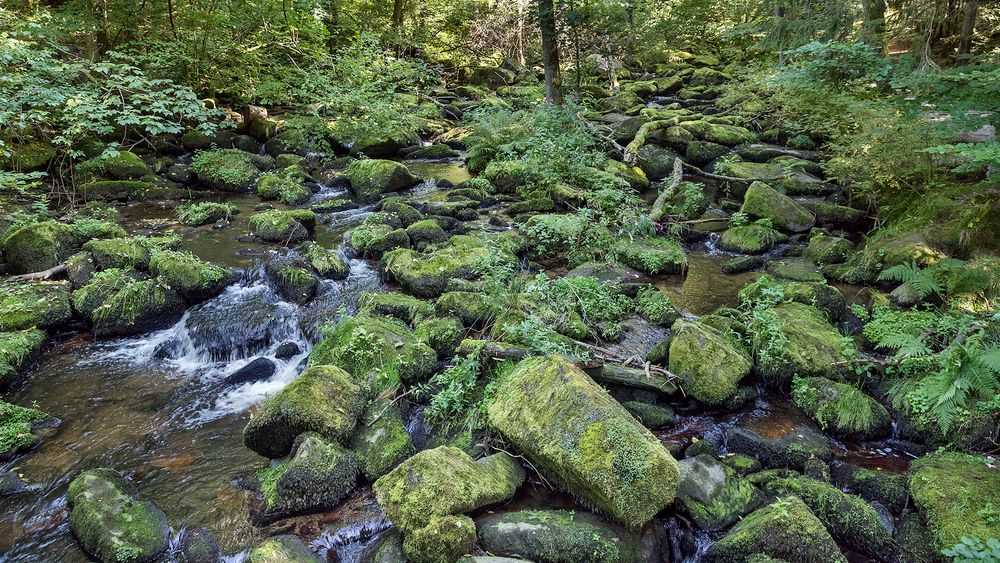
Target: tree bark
550, 52
397, 14
969, 11
874, 23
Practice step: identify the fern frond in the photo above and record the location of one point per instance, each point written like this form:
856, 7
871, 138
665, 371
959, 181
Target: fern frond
989, 358
904, 345
900, 273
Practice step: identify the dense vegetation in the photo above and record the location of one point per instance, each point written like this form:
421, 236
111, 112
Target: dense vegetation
839, 155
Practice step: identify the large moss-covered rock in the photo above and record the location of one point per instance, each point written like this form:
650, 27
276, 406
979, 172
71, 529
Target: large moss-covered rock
826, 249
117, 304
317, 476
812, 346
365, 342
125, 165
281, 549
227, 170
718, 133
285, 227
39, 246
17, 349
27, 156
428, 274
445, 481
849, 519
443, 539
583, 440
111, 523
707, 360
712, 493
38, 304
404, 307
324, 399
328, 263
372, 240
764, 202
750, 239
794, 182
472, 308
443, 334
557, 536
890, 489
841, 409
786, 530
652, 255
194, 279
371, 178
380, 440
958, 495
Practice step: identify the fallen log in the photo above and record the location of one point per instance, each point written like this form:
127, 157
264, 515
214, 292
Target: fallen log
39, 276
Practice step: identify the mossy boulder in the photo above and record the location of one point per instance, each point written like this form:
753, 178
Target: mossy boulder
317, 476
472, 308
287, 227
363, 342
198, 545
323, 399
227, 170
194, 279
793, 182
506, 175
785, 530
874, 485
371, 178
649, 414
443, 334
812, 346
652, 255
750, 239
558, 536
718, 133
444, 538
17, 349
284, 187
39, 246
406, 213
372, 240
125, 165
35, 304
380, 440
764, 202
656, 162
848, 518
428, 274
958, 495
425, 232
281, 549
707, 360
118, 304
841, 409
583, 440
824, 297
328, 263
437, 150
294, 283
124, 253
399, 305
16, 429
205, 212
26, 156
826, 249
796, 268
111, 523
779, 441
712, 493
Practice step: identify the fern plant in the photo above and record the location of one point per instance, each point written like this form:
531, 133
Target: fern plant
944, 278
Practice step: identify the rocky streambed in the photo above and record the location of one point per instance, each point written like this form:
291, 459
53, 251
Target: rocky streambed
257, 375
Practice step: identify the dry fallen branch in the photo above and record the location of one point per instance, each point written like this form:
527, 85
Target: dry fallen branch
39, 276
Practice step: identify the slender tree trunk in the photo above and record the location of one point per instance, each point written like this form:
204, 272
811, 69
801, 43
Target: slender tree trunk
550, 52
331, 23
397, 14
630, 39
521, 9
874, 23
968, 26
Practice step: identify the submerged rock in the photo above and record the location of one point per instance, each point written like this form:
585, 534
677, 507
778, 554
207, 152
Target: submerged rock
198, 545
710, 364
257, 370
281, 549
785, 530
111, 523
324, 399
584, 440
558, 536
712, 493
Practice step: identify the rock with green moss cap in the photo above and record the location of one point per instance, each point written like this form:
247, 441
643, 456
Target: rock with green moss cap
583, 440
127, 190
427, 274
650, 415
426, 232
812, 346
287, 227
117, 304
713, 494
785, 529
227, 170
890, 489
205, 212
473, 309
652, 255
750, 239
324, 399
371, 178
444, 539
294, 283
764, 202
445, 481
656, 307
35, 304
284, 187
443, 334
741, 463
849, 519
558, 536
709, 363
111, 523
826, 249
796, 268
958, 495
317, 476
26, 156
841, 409
718, 133
380, 440
194, 279
124, 253
372, 240
824, 297
17, 349
365, 342
125, 165
39, 246
399, 305
406, 213
17, 426
506, 175
328, 263
281, 549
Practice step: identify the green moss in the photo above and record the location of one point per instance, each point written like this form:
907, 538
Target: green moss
407, 214
473, 309
324, 399
444, 481
841, 409
284, 187
890, 489
372, 240
123, 166
813, 345
825, 249
720, 134
583, 440
15, 428
327, 263
317, 476
404, 307
17, 348
39, 246
764, 202
194, 279
651, 416
506, 175
428, 274
713, 494
710, 365
380, 440
785, 529
652, 255
133, 307
26, 157
425, 232
750, 239
364, 342
958, 495
281, 549
443, 540
89, 228
35, 304
123, 253
286, 227
228, 170
849, 518
443, 334
205, 212
741, 463
372, 177
294, 283
557, 536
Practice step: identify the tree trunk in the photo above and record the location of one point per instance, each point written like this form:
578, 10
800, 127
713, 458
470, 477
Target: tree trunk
874, 23
331, 23
968, 26
397, 14
550, 52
